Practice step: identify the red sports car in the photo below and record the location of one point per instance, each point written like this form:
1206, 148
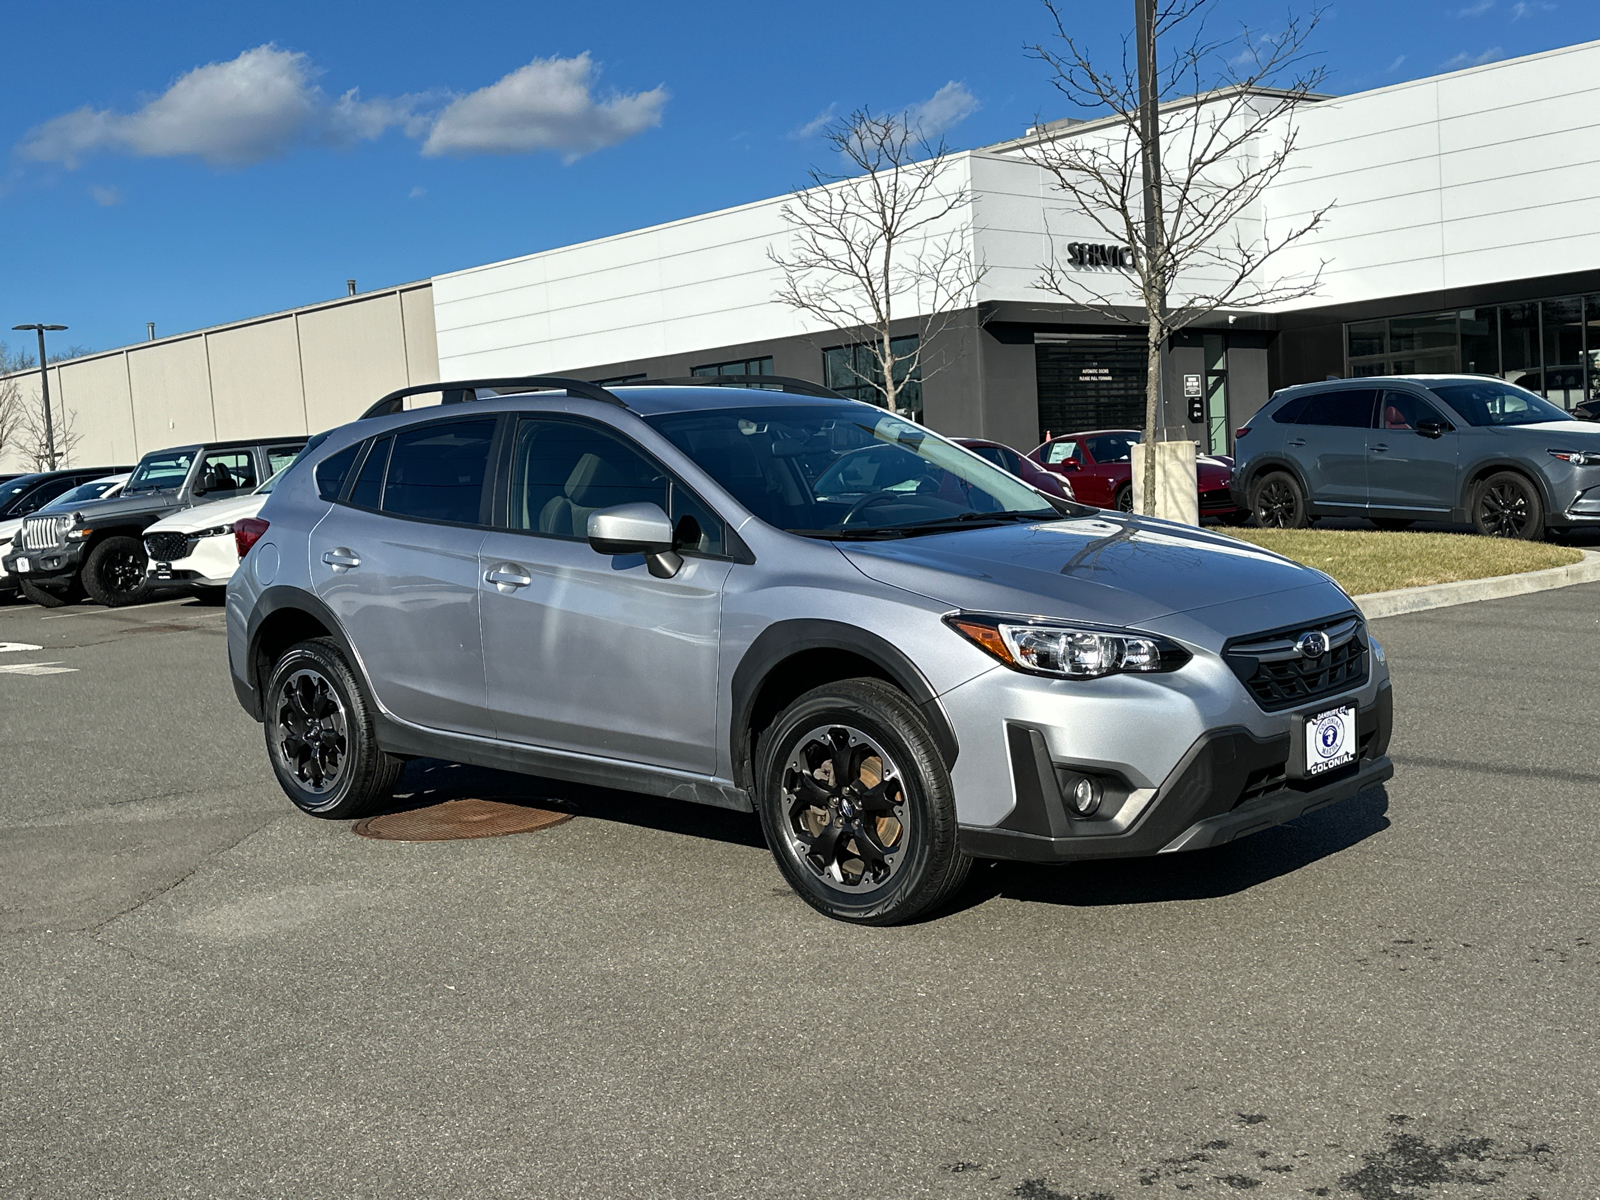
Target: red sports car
1020, 465
1099, 466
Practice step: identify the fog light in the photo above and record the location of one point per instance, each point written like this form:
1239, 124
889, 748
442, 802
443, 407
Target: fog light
1085, 796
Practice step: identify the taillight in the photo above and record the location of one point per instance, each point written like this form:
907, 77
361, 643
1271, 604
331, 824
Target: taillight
1240, 432
247, 533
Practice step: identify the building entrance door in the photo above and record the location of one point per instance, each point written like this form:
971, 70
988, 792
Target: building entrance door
1089, 383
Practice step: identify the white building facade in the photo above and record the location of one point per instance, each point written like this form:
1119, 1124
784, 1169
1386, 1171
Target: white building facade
1464, 235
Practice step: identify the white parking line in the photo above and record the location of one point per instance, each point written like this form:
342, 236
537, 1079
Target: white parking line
13, 647
54, 668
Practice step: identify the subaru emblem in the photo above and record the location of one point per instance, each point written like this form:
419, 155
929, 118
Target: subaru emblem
1312, 644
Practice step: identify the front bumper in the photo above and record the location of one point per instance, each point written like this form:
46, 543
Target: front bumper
53, 567
210, 562
1231, 783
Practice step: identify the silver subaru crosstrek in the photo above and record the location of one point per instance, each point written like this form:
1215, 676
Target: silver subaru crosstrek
898, 655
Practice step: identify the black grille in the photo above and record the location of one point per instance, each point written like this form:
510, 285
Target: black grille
164, 547
1279, 676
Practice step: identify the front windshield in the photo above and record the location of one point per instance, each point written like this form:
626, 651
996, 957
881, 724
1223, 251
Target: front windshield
165, 469
848, 471
81, 494
11, 492
1113, 447
1491, 402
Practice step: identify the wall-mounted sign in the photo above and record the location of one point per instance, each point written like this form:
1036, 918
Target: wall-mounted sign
1191, 385
1083, 254
1191, 392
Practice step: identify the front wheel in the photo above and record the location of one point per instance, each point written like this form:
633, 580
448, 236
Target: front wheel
857, 805
1278, 503
1507, 505
1123, 501
321, 739
114, 572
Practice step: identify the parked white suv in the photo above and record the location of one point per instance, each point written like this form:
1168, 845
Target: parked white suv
195, 546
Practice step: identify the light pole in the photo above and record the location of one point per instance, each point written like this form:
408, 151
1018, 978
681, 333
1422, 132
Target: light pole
44, 391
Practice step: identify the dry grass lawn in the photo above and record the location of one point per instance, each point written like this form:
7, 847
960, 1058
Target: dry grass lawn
1380, 562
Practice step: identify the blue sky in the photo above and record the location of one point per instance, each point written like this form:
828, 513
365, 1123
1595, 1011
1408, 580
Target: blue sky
134, 190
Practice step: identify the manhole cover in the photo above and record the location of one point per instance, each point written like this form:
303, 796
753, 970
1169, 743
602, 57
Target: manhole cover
458, 819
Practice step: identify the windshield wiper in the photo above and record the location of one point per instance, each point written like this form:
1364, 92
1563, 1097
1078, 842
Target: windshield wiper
973, 520
850, 535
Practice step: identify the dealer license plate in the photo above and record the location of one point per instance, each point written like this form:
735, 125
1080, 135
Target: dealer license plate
163, 570
22, 566
1330, 739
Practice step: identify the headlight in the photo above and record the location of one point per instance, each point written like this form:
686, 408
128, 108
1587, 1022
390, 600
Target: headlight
1578, 458
1040, 647
77, 535
214, 531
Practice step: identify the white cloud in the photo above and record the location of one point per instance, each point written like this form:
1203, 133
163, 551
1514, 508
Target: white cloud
417, 193
230, 114
1475, 9
106, 197
1395, 65
547, 105
947, 107
816, 125
1523, 8
1464, 59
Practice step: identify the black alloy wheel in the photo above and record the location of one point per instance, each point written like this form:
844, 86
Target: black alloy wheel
1124, 498
1279, 503
857, 805
320, 735
114, 572
1506, 505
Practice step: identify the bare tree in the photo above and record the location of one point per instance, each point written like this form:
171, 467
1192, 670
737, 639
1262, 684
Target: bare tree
11, 404
35, 446
1190, 140
22, 430
867, 251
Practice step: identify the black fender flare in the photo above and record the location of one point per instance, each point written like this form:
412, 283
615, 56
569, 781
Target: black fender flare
283, 598
784, 639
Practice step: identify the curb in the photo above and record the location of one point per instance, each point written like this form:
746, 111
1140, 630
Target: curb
1468, 591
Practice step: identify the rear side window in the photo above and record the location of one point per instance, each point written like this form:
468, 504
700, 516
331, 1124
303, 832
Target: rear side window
369, 484
436, 471
1347, 408
333, 470
1290, 411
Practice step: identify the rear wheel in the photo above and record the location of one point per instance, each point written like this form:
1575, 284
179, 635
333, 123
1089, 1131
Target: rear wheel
1278, 503
114, 572
320, 735
1507, 505
50, 597
857, 805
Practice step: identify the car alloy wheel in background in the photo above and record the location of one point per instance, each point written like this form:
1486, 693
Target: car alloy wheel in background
857, 805
114, 572
1506, 505
1279, 503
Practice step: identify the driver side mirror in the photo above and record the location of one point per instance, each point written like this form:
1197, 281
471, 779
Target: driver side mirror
1433, 429
1070, 464
636, 529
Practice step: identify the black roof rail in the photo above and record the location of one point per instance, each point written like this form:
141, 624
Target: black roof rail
783, 383
458, 391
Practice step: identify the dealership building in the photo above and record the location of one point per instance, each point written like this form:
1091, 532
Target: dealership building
1464, 235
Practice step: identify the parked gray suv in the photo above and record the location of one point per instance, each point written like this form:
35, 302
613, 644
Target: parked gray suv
1426, 447
896, 654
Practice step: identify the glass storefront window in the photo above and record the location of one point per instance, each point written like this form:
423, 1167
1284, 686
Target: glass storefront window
1216, 359
1562, 321
1480, 341
1368, 338
1519, 345
854, 371
1417, 335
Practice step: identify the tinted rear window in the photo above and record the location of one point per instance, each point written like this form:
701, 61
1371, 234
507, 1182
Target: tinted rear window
1291, 410
1348, 408
436, 471
331, 471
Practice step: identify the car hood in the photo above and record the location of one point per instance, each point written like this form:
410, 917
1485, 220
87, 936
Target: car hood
9, 527
204, 516
139, 503
1584, 431
1111, 570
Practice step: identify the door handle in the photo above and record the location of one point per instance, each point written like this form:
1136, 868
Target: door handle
508, 577
341, 558
1380, 448
1297, 441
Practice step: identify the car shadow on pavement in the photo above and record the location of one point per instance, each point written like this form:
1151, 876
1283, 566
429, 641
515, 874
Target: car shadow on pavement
428, 781
1198, 875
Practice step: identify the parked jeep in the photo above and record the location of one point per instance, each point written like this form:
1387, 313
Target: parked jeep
97, 549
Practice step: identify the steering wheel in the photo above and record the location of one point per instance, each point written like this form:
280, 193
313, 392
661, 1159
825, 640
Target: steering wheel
867, 501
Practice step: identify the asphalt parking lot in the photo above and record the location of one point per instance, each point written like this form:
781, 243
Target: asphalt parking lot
208, 994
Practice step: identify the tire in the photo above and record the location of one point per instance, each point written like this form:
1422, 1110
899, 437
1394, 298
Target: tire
1123, 500
50, 598
339, 773
1277, 502
1392, 524
114, 572
1507, 505
844, 861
